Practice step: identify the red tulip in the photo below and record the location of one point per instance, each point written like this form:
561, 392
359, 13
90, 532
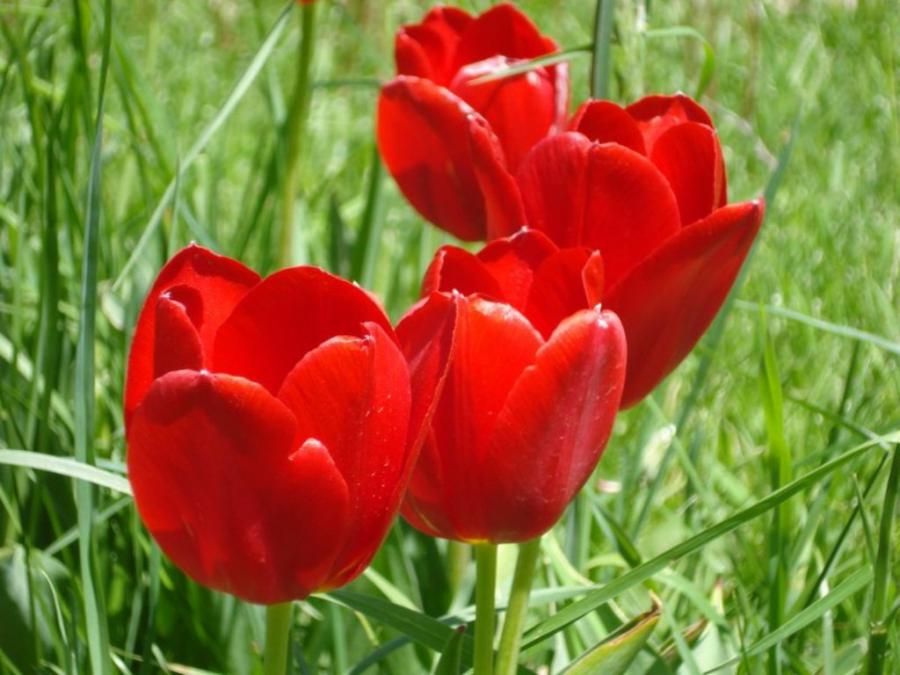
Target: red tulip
429, 114
645, 185
534, 381
271, 425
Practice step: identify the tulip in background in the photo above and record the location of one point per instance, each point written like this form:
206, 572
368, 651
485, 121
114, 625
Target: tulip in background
427, 115
534, 381
272, 425
645, 185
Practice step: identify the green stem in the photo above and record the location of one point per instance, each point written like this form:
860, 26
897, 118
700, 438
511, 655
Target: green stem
517, 609
293, 129
278, 631
485, 582
601, 66
878, 631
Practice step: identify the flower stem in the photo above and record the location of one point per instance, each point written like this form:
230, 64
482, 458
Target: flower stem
278, 631
293, 129
601, 66
878, 627
517, 609
485, 582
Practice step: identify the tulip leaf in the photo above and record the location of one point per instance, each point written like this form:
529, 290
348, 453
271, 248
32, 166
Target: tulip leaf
450, 662
595, 598
616, 652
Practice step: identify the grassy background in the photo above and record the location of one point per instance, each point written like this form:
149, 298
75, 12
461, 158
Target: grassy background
804, 368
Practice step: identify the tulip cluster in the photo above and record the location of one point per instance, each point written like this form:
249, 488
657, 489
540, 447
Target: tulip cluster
276, 426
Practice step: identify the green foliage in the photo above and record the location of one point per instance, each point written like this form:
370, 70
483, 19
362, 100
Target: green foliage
740, 495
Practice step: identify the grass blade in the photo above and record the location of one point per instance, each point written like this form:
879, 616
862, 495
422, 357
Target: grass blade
601, 59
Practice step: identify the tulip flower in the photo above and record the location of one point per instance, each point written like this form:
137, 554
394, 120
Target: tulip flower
645, 185
271, 424
429, 115
534, 380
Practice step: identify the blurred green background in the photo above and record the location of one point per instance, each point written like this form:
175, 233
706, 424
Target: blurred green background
804, 368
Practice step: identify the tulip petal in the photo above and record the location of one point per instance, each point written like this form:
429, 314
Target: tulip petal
435, 173
690, 158
207, 286
285, 316
504, 213
606, 122
554, 425
561, 287
605, 197
657, 114
521, 110
502, 30
427, 49
668, 301
219, 484
513, 260
492, 345
353, 395
455, 269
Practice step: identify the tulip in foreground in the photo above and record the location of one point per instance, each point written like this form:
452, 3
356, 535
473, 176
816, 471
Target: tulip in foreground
645, 185
271, 425
534, 381
429, 115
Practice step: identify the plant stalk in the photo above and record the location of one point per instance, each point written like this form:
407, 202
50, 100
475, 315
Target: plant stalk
485, 583
278, 631
517, 608
294, 126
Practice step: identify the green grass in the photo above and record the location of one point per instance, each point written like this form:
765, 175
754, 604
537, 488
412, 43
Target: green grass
751, 494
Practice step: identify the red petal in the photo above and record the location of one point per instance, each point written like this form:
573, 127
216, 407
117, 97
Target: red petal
690, 158
427, 49
555, 425
504, 213
288, 314
435, 172
455, 269
502, 30
353, 395
217, 481
559, 288
492, 345
605, 197
208, 286
667, 302
177, 344
513, 260
552, 182
521, 110
605, 122
657, 114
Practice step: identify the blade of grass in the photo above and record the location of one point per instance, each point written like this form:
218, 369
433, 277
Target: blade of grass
66, 466
601, 61
224, 112
595, 599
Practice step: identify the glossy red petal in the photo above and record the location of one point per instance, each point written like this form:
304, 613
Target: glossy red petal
285, 316
513, 260
606, 122
605, 197
690, 158
504, 213
435, 172
552, 180
560, 287
667, 302
554, 425
207, 286
657, 114
353, 395
177, 344
221, 485
521, 110
427, 49
492, 345
502, 30
455, 269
